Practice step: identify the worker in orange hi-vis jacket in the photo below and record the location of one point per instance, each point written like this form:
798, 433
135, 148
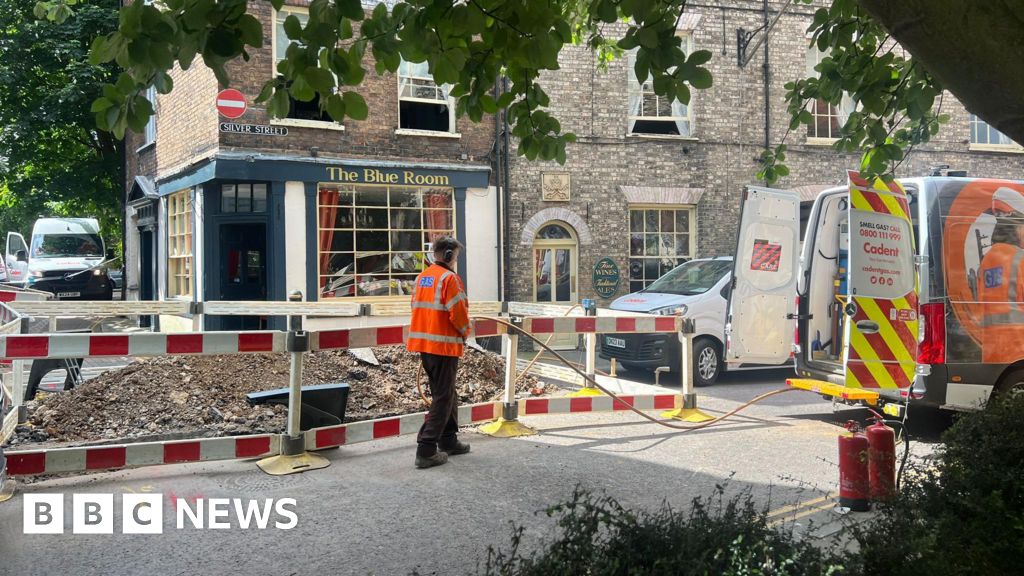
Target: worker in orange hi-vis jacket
438, 331
1001, 290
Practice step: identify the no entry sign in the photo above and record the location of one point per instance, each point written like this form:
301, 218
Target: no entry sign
230, 103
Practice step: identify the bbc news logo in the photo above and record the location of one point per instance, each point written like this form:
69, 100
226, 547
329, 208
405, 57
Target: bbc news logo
144, 514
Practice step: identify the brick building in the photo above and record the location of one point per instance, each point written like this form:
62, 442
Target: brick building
254, 208
649, 185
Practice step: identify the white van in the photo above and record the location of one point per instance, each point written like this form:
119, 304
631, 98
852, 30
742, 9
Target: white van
911, 289
697, 289
65, 258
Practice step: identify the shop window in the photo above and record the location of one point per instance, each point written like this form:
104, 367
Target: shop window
297, 110
243, 198
652, 114
985, 135
179, 244
828, 119
422, 104
374, 239
660, 239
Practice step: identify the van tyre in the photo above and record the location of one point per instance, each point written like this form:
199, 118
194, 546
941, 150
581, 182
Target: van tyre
1011, 384
707, 362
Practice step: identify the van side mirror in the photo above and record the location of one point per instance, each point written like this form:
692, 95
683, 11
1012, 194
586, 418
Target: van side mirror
21, 256
110, 254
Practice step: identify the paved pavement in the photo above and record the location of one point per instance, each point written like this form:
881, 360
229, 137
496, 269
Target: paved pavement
371, 512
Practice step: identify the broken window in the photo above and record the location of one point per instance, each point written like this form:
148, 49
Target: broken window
650, 113
422, 104
828, 119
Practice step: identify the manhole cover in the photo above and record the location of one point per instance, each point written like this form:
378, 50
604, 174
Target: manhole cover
258, 481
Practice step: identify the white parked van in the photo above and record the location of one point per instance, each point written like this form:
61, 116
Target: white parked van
65, 258
697, 289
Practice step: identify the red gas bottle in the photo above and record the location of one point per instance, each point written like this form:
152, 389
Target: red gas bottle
853, 469
881, 460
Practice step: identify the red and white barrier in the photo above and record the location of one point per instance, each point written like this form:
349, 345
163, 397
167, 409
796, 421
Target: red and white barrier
602, 325
367, 430
90, 458
17, 295
384, 336
575, 405
26, 346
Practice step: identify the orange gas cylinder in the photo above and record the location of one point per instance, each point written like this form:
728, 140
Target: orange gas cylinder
881, 461
853, 469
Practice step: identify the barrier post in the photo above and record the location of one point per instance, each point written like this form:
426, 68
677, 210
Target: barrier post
590, 351
508, 424
687, 410
18, 381
293, 457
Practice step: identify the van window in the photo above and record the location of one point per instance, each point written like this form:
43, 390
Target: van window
694, 277
65, 245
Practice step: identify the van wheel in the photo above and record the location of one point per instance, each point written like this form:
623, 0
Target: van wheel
1012, 384
707, 362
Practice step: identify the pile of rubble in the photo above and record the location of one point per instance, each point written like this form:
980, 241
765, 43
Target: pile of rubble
160, 398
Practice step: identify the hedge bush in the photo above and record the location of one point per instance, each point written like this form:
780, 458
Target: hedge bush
962, 513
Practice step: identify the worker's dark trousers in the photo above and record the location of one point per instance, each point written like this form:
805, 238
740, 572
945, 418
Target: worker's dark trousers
442, 422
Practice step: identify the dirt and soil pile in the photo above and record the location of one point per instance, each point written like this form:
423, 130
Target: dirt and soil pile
206, 394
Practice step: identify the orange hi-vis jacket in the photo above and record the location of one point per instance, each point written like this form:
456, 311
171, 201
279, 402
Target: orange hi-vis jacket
1001, 292
440, 313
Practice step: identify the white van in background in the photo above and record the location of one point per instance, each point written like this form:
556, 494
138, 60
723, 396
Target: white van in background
65, 258
697, 289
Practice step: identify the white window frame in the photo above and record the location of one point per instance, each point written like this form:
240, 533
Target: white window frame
975, 125
406, 79
637, 91
279, 17
841, 113
180, 251
149, 132
691, 234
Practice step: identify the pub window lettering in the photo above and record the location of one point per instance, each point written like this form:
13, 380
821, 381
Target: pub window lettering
422, 104
650, 113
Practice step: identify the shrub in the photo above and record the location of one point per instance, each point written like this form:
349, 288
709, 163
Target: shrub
717, 536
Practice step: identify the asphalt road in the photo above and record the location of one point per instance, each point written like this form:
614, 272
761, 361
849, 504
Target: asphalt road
371, 512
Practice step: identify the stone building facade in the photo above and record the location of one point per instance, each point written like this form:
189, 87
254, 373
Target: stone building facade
223, 208
693, 179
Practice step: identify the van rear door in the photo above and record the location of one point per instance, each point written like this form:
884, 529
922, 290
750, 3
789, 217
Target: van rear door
881, 327
760, 322
17, 271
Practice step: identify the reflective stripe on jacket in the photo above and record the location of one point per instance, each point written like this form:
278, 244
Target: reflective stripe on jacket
440, 313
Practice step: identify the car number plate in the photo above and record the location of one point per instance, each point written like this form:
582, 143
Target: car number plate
615, 342
68, 294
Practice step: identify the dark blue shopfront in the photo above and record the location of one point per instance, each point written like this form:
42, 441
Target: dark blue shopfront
267, 225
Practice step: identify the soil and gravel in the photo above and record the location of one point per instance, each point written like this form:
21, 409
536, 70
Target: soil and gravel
205, 395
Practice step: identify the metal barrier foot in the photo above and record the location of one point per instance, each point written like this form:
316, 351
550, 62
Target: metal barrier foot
6, 490
585, 392
687, 415
502, 428
284, 464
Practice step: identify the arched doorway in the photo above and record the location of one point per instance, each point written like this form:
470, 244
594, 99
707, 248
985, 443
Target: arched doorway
555, 271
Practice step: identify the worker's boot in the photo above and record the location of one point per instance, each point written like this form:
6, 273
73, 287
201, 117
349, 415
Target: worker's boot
455, 449
430, 461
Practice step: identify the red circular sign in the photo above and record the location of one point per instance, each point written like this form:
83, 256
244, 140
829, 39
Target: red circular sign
230, 103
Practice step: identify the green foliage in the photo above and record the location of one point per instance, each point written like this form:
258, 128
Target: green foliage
57, 162
897, 102
467, 45
717, 536
964, 515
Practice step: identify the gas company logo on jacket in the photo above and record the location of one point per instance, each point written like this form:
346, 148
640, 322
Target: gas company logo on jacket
440, 313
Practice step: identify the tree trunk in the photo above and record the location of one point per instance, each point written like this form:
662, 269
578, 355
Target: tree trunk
974, 48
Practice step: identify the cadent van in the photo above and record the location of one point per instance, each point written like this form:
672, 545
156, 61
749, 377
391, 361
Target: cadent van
912, 288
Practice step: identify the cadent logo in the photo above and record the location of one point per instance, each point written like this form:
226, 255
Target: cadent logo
881, 249
144, 514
